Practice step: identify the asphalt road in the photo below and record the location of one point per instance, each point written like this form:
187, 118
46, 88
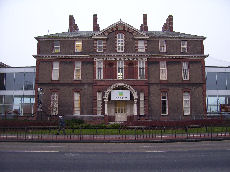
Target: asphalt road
187, 156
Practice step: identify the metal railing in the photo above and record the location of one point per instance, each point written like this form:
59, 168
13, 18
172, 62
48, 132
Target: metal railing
135, 134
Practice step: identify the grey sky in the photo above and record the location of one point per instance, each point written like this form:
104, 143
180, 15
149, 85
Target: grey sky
22, 20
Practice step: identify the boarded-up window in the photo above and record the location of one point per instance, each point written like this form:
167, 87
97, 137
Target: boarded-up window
185, 71
141, 69
183, 46
54, 103
141, 46
99, 45
142, 105
162, 45
163, 70
55, 71
99, 72
99, 103
77, 70
77, 103
186, 103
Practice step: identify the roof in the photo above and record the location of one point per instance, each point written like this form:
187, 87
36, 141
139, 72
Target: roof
89, 34
167, 34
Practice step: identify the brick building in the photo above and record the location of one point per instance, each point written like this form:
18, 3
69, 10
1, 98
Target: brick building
122, 73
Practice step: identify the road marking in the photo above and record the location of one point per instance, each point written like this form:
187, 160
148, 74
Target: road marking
38, 151
155, 151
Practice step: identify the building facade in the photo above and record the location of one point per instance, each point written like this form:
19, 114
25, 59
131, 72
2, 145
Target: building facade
121, 73
218, 88
17, 95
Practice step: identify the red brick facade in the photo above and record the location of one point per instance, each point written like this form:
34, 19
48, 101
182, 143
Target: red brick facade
136, 69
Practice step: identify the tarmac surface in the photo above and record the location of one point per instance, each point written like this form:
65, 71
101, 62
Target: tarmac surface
179, 156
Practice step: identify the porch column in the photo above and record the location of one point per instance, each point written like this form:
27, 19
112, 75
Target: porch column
135, 107
106, 107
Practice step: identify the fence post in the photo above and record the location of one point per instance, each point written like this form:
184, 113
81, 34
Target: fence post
211, 132
161, 133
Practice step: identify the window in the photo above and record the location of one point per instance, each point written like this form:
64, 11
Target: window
164, 103
99, 66
54, 103
185, 71
141, 46
120, 69
142, 107
55, 71
163, 70
77, 70
57, 48
186, 103
99, 46
99, 102
162, 45
141, 71
78, 46
77, 103
183, 46
120, 42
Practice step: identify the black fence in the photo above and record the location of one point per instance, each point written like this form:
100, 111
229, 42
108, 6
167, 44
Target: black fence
123, 134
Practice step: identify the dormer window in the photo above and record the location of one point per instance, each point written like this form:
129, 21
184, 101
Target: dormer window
162, 45
120, 42
183, 46
57, 47
78, 46
99, 46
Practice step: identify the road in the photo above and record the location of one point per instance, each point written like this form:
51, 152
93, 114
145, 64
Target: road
60, 157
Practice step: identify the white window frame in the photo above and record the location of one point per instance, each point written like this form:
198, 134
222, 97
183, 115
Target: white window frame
163, 70
78, 42
54, 103
141, 69
77, 68
162, 45
186, 103
120, 69
99, 65
185, 70
142, 105
99, 103
120, 42
99, 45
164, 99
184, 47
141, 46
77, 103
57, 47
55, 71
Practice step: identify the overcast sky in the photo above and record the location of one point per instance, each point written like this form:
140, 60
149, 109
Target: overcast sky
22, 20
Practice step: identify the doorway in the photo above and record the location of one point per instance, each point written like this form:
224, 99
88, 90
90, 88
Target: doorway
120, 111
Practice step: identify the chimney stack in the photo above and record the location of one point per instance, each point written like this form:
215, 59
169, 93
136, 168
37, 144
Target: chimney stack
95, 25
72, 26
168, 26
144, 26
